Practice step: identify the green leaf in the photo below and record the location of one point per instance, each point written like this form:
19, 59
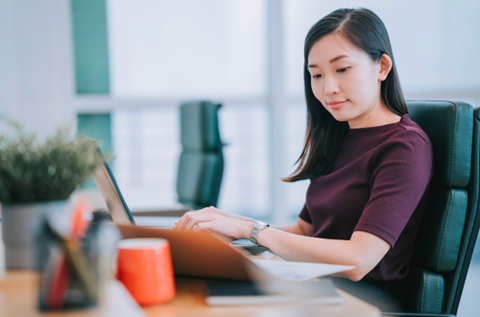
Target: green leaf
52, 170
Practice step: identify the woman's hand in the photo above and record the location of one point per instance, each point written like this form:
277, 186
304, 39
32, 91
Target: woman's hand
212, 219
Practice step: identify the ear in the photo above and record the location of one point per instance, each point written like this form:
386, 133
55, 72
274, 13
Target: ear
385, 64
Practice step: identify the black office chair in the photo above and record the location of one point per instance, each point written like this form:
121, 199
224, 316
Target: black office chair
200, 168
449, 230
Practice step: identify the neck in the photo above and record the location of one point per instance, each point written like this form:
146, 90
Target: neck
376, 117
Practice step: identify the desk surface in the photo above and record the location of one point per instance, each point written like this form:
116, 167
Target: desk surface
18, 297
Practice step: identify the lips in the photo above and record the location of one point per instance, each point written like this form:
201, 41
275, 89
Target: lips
336, 104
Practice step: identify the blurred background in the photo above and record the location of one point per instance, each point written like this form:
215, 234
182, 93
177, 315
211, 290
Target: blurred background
123, 67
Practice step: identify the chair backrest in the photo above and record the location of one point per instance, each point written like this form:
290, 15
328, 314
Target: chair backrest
200, 168
450, 225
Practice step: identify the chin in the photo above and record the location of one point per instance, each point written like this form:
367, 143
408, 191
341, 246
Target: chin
341, 118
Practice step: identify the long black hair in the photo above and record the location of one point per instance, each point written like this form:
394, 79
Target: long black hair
325, 135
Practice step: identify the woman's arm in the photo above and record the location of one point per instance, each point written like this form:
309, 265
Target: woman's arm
363, 250
301, 228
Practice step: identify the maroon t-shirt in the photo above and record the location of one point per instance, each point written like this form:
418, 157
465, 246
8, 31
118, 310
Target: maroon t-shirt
377, 184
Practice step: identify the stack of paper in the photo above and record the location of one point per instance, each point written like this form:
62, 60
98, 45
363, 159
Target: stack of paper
320, 291
299, 271
280, 282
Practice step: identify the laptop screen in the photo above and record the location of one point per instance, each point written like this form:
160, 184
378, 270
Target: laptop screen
108, 187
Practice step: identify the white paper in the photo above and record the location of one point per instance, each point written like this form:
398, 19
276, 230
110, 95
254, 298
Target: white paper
299, 271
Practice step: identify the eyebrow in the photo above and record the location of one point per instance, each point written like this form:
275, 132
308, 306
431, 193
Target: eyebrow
333, 60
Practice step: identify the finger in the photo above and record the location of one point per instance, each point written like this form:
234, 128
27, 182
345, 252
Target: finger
202, 226
193, 220
179, 222
185, 220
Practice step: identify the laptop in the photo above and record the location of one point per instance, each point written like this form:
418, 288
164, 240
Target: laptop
194, 253
116, 204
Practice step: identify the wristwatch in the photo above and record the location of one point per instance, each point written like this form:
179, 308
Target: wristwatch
257, 227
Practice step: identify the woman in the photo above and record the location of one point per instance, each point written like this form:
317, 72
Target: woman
368, 163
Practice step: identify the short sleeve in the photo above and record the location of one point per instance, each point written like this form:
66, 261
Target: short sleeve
401, 173
305, 215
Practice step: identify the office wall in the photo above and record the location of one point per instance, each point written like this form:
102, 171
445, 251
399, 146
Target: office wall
36, 77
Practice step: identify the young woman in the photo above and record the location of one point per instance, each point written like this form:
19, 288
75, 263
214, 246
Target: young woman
368, 163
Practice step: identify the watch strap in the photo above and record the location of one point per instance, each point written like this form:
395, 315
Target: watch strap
257, 227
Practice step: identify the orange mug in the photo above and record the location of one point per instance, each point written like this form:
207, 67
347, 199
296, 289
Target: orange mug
144, 266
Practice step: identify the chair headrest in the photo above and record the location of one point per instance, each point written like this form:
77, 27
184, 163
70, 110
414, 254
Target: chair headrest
199, 126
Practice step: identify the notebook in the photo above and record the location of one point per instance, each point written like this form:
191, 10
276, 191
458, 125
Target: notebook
321, 291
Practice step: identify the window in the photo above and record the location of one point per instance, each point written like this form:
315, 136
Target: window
187, 48
184, 50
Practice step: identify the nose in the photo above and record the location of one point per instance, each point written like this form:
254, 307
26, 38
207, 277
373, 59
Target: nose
331, 86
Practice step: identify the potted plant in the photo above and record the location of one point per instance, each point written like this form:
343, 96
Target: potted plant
36, 180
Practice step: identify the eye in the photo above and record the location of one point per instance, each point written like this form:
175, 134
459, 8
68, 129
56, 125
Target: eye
316, 76
343, 70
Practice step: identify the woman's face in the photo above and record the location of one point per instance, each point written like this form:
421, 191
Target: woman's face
347, 81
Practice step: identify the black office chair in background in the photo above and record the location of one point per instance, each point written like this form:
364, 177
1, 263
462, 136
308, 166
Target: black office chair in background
449, 230
200, 167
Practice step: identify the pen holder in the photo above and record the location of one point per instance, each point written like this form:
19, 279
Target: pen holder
73, 273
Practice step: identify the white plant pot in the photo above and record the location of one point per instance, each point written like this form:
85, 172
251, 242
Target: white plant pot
21, 223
